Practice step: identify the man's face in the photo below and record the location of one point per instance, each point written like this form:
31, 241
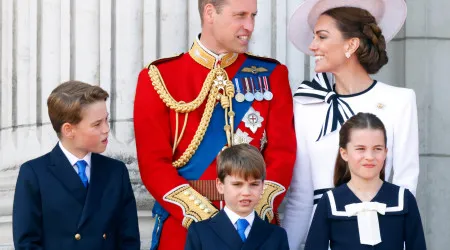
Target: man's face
233, 25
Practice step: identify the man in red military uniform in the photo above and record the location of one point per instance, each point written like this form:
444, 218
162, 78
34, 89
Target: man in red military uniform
189, 107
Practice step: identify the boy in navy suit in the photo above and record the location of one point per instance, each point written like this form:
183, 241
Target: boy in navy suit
73, 198
241, 172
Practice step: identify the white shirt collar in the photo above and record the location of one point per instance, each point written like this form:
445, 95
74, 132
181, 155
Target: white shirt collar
218, 57
234, 217
72, 158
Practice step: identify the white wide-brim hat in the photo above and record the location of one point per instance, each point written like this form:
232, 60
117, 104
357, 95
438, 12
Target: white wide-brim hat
389, 14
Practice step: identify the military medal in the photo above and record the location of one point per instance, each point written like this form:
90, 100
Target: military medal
258, 95
253, 119
263, 141
239, 96
258, 89
267, 94
248, 95
241, 137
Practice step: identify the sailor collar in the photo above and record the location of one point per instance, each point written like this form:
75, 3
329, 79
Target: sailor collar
209, 59
389, 194
388, 200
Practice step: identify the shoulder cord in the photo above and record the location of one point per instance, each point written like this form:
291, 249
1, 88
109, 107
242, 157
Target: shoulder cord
217, 87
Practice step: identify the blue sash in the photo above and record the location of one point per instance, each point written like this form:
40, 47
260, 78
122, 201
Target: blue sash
215, 138
213, 142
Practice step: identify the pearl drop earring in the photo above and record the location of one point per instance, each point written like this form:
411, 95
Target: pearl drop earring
347, 54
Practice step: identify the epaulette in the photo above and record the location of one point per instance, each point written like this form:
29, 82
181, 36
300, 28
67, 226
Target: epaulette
268, 59
165, 59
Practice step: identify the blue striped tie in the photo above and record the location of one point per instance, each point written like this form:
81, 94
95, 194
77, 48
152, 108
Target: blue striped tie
242, 224
81, 164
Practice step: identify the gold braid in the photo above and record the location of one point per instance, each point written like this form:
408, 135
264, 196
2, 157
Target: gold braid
217, 75
179, 107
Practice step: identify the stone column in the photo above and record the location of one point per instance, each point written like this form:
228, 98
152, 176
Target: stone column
427, 70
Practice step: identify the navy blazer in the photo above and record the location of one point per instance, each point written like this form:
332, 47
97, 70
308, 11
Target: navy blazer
53, 210
219, 233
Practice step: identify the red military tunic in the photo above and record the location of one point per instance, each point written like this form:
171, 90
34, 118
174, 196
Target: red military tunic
155, 126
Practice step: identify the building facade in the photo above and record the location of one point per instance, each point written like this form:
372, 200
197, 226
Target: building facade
107, 42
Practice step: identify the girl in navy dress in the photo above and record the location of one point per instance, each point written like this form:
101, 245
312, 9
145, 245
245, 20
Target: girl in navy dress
364, 211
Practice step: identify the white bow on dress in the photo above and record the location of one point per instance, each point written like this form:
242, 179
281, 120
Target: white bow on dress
368, 226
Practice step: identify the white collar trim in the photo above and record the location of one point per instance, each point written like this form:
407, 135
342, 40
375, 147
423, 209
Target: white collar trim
335, 212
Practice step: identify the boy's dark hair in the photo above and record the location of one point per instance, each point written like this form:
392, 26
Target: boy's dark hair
66, 102
243, 160
359, 121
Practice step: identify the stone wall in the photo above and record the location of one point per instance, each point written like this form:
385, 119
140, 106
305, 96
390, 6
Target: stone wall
107, 42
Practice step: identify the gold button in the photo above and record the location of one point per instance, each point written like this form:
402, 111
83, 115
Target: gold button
77, 236
104, 236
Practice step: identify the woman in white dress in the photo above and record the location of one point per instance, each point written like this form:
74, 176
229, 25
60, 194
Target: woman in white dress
348, 39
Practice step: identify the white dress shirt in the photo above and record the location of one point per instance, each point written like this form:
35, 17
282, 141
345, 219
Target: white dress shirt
73, 160
234, 217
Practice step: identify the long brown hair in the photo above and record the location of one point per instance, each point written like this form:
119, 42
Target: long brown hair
359, 121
